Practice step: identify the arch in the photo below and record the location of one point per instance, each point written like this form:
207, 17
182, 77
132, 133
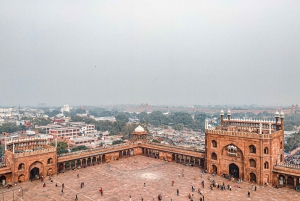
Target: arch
266, 150
214, 143
234, 170
21, 178
36, 168
3, 179
252, 163
252, 177
49, 172
281, 145
266, 165
232, 151
281, 158
252, 149
21, 166
281, 179
34, 173
214, 169
266, 179
290, 181
50, 161
214, 156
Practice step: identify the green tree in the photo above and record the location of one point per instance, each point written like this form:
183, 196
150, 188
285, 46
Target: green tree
62, 147
178, 126
122, 117
117, 142
79, 148
10, 128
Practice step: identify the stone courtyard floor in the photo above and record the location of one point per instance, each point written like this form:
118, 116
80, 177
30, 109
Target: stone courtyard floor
125, 177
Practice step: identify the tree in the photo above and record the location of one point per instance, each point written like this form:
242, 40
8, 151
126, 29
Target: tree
77, 118
117, 142
79, 148
181, 117
178, 127
62, 147
122, 117
80, 111
10, 127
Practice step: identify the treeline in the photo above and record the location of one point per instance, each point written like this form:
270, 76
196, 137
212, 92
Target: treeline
177, 120
292, 142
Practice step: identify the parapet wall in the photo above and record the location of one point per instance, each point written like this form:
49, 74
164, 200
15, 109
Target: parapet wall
37, 152
241, 134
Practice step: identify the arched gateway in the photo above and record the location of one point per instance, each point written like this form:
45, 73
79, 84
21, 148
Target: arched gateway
234, 170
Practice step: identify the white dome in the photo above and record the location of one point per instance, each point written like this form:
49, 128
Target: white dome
281, 114
228, 112
139, 129
222, 112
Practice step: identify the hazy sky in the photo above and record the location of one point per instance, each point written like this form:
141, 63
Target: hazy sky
149, 51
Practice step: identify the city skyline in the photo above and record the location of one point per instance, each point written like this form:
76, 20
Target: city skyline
133, 52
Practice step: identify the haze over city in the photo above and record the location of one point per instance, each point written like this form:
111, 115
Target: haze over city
156, 52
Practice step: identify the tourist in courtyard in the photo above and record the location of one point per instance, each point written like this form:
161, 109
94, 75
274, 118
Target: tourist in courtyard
248, 193
63, 185
78, 175
44, 185
177, 191
144, 184
172, 183
62, 191
76, 197
254, 188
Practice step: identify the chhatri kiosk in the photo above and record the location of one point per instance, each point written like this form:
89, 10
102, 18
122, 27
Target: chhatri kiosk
139, 134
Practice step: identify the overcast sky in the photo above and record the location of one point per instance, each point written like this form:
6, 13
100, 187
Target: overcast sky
149, 51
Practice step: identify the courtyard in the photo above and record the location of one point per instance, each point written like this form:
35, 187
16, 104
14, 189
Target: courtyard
125, 177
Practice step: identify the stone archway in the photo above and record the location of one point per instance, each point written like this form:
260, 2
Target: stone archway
252, 177
214, 169
21, 178
34, 173
49, 172
3, 179
234, 170
36, 168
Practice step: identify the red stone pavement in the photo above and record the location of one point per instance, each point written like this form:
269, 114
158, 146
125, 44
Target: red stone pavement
125, 177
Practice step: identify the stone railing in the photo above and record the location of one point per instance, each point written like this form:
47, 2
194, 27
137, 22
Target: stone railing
239, 134
36, 152
174, 147
288, 166
11, 141
103, 149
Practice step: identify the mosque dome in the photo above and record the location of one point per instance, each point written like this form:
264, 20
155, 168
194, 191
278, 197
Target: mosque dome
277, 114
139, 129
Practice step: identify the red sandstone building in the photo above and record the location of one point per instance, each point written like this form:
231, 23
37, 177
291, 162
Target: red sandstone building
248, 149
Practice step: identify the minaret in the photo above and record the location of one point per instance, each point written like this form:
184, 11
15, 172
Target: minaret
277, 118
222, 117
228, 114
282, 120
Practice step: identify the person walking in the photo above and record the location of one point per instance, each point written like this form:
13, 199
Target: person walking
248, 193
144, 184
62, 191
177, 191
255, 188
63, 185
76, 197
172, 183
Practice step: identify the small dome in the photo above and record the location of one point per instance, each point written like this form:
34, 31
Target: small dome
281, 114
222, 112
139, 129
228, 112
277, 114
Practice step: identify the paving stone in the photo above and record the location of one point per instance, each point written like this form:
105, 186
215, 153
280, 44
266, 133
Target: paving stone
124, 177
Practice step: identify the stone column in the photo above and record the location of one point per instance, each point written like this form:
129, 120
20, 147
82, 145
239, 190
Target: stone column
286, 180
64, 166
70, 165
295, 180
